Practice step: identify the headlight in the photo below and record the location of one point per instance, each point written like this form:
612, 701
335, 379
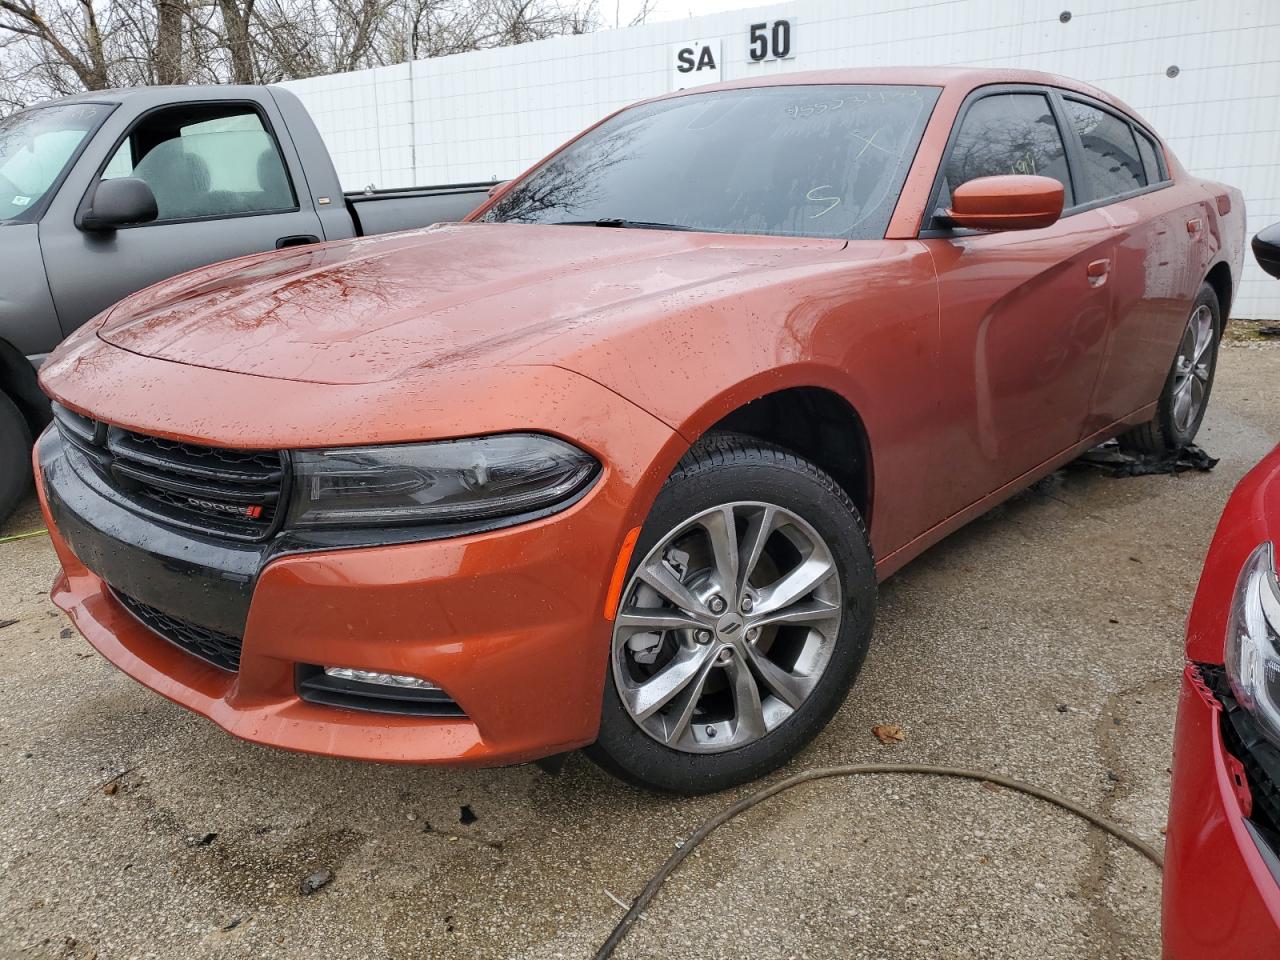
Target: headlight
428, 483
1253, 639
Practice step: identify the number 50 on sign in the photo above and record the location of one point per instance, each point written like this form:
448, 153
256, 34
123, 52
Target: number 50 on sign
770, 40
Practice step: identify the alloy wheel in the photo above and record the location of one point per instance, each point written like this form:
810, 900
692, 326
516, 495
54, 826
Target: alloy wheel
726, 626
1192, 369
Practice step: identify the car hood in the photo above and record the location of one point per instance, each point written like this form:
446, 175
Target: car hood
378, 308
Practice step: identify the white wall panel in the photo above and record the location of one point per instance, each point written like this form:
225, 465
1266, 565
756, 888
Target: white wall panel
490, 114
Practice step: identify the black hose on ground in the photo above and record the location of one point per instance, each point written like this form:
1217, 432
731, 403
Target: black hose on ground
824, 773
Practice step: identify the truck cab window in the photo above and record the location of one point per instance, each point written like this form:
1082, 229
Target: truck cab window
206, 160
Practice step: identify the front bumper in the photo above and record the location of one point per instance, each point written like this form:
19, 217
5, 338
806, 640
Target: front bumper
1222, 873
510, 623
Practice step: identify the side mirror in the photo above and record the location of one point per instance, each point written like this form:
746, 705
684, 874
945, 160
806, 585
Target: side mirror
121, 202
1266, 249
1006, 203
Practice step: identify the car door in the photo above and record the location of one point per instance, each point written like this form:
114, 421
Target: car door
1024, 314
1160, 258
223, 189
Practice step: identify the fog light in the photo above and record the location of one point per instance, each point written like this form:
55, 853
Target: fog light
385, 679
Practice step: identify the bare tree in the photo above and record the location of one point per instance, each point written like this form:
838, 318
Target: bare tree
73, 36
646, 10
56, 47
170, 17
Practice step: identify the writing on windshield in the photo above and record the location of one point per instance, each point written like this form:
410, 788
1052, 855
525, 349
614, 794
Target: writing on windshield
806, 160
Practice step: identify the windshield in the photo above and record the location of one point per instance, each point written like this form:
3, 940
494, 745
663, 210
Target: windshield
809, 161
35, 148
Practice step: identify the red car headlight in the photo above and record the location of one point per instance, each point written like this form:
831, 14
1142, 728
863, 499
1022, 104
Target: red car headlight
1253, 640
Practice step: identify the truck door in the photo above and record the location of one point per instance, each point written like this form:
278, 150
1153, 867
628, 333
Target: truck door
223, 189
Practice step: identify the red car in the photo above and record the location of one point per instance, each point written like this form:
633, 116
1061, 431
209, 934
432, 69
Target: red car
619, 462
1222, 853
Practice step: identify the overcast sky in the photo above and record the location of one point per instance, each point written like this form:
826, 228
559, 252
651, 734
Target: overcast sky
624, 10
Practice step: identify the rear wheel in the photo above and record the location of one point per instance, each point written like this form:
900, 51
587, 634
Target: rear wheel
1185, 396
15, 456
744, 620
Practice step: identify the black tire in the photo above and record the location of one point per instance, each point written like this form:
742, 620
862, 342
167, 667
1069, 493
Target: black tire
15, 457
720, 469
1162, 433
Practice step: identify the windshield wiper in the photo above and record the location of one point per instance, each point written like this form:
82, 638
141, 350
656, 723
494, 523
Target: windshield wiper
619, 223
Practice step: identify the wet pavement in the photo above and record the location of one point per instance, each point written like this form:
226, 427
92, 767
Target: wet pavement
1043, 642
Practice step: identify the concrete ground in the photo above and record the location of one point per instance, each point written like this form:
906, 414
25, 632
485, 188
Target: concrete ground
1043, 641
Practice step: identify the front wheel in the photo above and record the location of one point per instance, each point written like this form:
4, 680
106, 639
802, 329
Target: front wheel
744, 620
1185, 396
15, 456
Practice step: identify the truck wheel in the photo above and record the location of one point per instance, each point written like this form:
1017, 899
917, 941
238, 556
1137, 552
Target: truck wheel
15, 455
744, 619
1185, 396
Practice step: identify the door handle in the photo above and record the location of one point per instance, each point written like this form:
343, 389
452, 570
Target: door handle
1098, 272
298, 240
1194, 225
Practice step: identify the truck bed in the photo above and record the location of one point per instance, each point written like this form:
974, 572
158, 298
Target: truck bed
385, 211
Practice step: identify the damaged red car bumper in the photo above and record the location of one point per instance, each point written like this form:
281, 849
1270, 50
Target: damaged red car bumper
1222, 860
1221, 875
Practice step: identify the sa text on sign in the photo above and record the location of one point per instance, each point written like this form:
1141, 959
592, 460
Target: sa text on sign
695, 63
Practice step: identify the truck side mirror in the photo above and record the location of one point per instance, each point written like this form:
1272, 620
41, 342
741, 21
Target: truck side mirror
121, 202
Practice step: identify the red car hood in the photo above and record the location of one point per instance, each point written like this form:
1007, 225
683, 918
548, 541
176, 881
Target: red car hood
374, 309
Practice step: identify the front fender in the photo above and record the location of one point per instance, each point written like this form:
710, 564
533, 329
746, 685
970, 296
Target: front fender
28, 320
862, 323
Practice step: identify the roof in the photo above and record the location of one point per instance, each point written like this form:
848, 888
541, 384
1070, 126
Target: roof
961, 79
161, 95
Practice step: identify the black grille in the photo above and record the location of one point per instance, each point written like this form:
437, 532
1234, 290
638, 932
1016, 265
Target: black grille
220, 649
316, 686
229, 493
1244, 741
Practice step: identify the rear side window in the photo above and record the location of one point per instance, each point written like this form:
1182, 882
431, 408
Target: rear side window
1150, 162
206, 160
1112, 164
1007, 133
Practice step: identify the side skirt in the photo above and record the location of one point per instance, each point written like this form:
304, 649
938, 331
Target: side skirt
887, 565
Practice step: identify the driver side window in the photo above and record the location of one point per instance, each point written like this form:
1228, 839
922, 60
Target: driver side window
1007, 133
206, 160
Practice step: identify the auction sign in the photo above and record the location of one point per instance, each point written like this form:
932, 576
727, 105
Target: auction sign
771, 40
694, 63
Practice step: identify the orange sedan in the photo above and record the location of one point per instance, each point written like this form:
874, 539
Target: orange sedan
618, 463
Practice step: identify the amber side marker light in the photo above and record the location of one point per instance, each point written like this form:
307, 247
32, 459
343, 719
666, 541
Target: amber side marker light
614, 596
